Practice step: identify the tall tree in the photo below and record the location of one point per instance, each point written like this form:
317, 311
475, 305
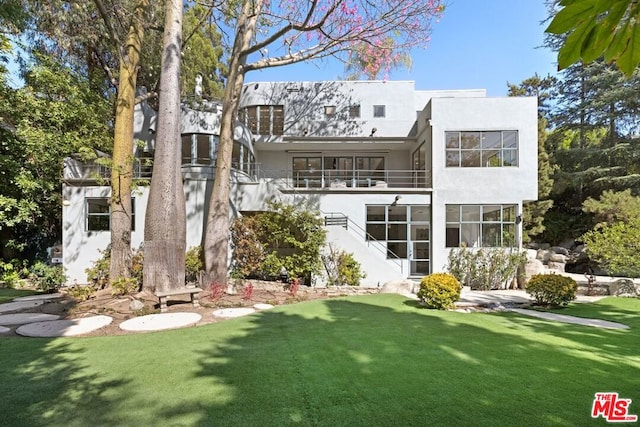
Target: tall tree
534, 212
165, 219
276, 33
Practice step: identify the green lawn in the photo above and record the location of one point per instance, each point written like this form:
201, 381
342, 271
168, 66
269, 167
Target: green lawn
7, 294
373, 360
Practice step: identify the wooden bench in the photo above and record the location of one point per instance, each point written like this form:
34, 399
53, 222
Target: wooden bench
193, 292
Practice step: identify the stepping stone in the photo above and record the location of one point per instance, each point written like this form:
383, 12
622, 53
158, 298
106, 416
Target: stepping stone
261, 306
158, 322
64, 328
39, 297
4, 330
22, 318
233, 312
20, 305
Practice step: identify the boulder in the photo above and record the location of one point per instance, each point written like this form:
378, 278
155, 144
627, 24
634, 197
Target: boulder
556, 266
559, 258
623, 288
531, 254
402, 287
560, 250
136, 305
533, 267
544, 255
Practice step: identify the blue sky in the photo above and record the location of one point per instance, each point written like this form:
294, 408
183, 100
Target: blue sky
478, 44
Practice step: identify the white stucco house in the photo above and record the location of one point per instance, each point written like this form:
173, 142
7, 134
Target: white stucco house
400, 175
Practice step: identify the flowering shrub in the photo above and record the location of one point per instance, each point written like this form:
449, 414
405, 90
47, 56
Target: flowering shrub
294, 285
439, 290
217, 291
248, 292
552, 289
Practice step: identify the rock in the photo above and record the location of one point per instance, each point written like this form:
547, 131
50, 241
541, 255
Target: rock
402, 287
623, 288
556, 266
136, 305
560, 258
533, 267
544, 255
560, 250
531, 254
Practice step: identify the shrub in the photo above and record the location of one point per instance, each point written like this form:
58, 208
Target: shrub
217, 291
342, 268
552, 289
125, 286
82, 293
439, 290
47, 278
485, 269
193, 263
9, 276
248, 292
98, 273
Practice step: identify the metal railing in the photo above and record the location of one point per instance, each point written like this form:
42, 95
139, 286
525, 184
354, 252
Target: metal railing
336, 179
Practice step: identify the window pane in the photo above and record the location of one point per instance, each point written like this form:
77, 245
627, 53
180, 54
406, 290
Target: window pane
186, 149
329, 110
235, 156
509, 235
470, 159
252, 119
421, 250
491, 235
491, 139
98, 206
491, 213
354, 111
203, 150
397, 232
453, 158
420, 267
470, 140
98, 223
491, 159
452, 139
419, 232
278, 120
509, 213
377, 231
398, 213
453, 213
510, 157
397, 248
453, 235
470, 234
375, 213
265, 120
510, 139
378, 111
471, 213
420, 213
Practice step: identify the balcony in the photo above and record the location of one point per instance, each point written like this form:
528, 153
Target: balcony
332, 179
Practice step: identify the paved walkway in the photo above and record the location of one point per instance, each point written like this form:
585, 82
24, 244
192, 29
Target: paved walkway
22, 313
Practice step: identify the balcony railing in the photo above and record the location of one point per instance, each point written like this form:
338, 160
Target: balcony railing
336, 179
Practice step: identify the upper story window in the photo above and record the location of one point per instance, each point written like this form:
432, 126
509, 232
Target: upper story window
482, 149
379, 111
263, 119
329, 110
354, 111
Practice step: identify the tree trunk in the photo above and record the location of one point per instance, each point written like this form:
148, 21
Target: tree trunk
122, 168
165, 219
216, 239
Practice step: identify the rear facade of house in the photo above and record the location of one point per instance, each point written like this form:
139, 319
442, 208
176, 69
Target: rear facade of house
401, 176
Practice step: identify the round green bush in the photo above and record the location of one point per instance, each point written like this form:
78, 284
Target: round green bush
552, 289
439, 290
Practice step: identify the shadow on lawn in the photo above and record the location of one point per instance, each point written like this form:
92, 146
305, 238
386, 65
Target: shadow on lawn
44, 382
372, 364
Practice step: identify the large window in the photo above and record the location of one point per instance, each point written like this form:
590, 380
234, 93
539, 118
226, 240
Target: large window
481, 149
350, 171
263, 119
419, 166
98, 214
405, 229
481, 226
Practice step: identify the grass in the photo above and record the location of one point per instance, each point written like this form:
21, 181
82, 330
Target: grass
8, 294
373, 360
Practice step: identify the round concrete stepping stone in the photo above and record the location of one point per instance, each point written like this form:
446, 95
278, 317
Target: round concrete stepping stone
158, 322
64, 328
20, 305
4, 329
233, 312
22, 318
39, 297
262, 306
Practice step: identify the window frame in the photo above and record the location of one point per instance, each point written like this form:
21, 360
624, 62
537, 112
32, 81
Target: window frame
106, 202
475, 226
462, 150
379, 111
